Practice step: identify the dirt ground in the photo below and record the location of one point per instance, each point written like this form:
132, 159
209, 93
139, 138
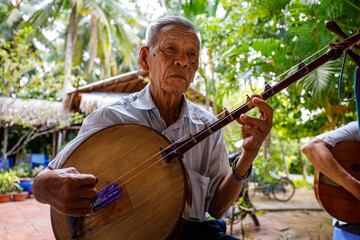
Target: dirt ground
316, 225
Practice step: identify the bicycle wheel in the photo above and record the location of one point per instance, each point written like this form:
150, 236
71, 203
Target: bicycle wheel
283, 190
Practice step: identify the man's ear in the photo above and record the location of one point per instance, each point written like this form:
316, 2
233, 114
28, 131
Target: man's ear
143, 58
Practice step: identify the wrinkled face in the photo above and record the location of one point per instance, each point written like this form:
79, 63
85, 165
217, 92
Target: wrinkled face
173, 61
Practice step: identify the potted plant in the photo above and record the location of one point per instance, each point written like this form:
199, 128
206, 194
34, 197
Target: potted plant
4, 187
26, 175
22, 170
19, 194
8, 182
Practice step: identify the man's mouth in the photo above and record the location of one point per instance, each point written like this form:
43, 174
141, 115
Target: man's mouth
177, 76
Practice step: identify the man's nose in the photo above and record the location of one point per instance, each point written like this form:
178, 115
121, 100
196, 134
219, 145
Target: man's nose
182, 61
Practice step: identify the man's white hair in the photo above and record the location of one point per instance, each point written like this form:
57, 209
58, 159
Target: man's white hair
154, 28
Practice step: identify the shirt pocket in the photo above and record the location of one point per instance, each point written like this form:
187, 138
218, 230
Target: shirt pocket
199, 186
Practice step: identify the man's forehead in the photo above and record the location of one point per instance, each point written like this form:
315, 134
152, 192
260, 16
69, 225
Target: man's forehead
173, 32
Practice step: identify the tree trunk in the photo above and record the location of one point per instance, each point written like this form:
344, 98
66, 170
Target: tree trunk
316, 21
207, 100
266, 147
70, 46
284, 159
93, 46
213, 81
301, 162
101, 70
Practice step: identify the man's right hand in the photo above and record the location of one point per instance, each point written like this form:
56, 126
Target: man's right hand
66, 190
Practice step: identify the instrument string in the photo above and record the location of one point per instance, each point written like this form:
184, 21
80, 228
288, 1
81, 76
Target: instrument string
274, 80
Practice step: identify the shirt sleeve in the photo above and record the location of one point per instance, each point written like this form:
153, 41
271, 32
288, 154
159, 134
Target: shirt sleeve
219, 166
349, 132
93, 123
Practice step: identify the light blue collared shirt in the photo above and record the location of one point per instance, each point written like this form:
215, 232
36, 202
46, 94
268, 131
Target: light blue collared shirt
207, 163
349, 132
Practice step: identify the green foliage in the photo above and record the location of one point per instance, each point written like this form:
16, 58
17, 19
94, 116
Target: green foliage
105, 38
23, 170
192, 8
301, 183
22, 70
8, 181
77, 118
257, 40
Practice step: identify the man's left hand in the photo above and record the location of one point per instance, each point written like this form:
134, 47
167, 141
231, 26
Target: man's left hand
255, 130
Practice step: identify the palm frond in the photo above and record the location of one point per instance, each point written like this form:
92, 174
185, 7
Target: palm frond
96, 11
45, 16
319, 80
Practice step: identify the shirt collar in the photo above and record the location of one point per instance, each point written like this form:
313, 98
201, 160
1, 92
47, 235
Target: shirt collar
190, 111
144, 101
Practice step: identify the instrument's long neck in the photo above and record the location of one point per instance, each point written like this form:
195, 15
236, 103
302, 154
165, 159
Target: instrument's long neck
335, 52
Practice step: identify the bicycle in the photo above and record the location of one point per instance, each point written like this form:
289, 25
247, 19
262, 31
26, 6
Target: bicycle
243, 206
240, 209
282, 188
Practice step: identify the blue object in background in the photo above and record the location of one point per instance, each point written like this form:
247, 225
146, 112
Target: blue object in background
9, 163
38, 159
27, 185
340, 234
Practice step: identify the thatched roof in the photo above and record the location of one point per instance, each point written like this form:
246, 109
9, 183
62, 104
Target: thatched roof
124, 83
32, 113
90, 97
43, 115
93, 100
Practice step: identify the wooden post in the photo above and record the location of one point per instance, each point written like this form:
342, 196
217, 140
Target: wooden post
4, 157
54, 152
59, 141
1, 136
18, 148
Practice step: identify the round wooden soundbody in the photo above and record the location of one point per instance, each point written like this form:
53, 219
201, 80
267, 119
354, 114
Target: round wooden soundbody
335, 199
156, 196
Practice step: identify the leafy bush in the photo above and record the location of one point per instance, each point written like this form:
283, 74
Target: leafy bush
9, 182
23, 170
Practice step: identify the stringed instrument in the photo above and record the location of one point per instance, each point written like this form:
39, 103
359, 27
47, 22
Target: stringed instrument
335, 199
144, 171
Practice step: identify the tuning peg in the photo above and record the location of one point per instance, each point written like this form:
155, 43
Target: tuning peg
354, 57
333, 27
351, 54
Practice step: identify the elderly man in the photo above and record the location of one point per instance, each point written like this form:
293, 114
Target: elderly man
171, 56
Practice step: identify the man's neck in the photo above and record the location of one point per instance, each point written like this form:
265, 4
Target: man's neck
169, 105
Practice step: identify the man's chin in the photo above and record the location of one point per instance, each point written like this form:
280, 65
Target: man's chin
176, 90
